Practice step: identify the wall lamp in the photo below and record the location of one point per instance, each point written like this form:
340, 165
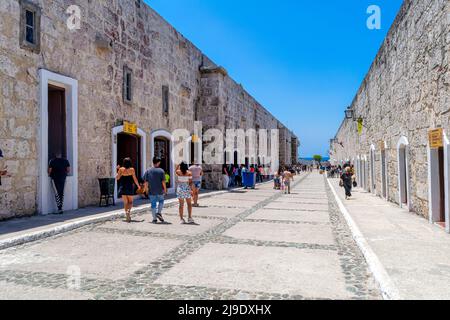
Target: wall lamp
350, 113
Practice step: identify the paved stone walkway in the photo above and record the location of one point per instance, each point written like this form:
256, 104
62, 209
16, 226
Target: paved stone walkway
413, 252
252, 244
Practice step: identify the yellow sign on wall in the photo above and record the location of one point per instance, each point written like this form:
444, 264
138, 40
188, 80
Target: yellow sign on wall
436, 138
129, 127
360, 126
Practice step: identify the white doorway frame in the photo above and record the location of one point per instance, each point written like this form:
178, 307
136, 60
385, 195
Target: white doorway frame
143, 136
403, 167
433, 183
46, 199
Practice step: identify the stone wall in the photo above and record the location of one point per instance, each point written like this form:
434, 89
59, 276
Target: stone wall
405, 93
138, 38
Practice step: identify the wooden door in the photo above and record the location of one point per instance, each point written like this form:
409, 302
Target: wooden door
57, 135
441, 185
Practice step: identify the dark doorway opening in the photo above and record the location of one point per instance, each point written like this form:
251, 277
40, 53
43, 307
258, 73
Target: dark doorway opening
162, 151
441, 186
383, 174
57, 132
129, 146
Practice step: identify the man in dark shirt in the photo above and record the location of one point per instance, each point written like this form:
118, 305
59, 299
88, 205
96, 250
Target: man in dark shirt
58, 170
155, 182
3, 172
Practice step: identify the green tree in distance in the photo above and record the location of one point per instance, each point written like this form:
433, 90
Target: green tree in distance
318, 158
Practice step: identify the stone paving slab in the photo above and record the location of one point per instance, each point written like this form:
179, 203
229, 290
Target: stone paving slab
311, 234
173, 225
302, 200
290, 215
21, 292
229, 203
311, 273
236, 197
297, 206
209, 211
99, 255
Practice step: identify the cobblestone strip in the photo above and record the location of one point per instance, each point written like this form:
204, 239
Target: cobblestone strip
138, 233
358, 278
260, 243
132, 289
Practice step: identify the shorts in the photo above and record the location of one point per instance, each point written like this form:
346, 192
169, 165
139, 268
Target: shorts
184, 192
197, 184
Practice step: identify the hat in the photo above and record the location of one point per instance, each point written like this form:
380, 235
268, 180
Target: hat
1, 153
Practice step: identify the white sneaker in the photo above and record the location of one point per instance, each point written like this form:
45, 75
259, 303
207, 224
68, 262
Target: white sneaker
182, 221
190, 220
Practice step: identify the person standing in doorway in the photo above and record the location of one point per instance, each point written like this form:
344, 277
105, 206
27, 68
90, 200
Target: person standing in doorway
126, 178
184, 191
4, 171
155, 182
347, 182
197, 174
226, 177
58, 170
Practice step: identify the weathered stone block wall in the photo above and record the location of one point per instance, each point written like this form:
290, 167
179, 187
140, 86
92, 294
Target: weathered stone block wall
141, 40
405, 93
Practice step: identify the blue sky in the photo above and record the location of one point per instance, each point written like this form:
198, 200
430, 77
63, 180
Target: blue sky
303, 60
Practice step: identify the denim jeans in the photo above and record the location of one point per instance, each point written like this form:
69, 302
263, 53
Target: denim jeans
157, 200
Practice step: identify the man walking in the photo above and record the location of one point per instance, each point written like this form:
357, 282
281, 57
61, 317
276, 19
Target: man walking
3, 172
58, 170
197, 174
155, 182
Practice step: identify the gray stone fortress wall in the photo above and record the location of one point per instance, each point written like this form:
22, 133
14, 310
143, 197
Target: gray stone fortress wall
114, 34
405, 94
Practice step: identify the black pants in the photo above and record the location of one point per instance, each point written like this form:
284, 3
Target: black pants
348, 189
59, 191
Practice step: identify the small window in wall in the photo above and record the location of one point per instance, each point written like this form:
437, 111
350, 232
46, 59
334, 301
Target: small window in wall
138, 3
127, 85
165, 100
30, 25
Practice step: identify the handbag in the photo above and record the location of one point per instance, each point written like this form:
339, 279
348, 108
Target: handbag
355, 184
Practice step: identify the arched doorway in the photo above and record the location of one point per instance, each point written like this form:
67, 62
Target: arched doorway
125, 145
161, 147
403, 172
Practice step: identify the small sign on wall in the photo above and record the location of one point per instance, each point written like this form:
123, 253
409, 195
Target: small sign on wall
382, 146
436, 138
129, 127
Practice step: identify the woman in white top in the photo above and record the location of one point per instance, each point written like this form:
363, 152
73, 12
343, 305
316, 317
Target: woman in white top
184, 191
